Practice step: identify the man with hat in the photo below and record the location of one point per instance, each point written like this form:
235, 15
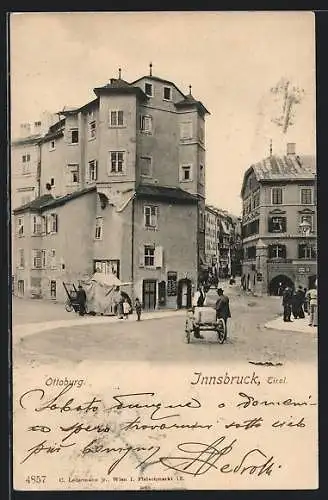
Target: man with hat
81, 299
222, 308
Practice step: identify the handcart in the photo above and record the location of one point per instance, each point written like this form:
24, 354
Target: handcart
204, 319
71, 303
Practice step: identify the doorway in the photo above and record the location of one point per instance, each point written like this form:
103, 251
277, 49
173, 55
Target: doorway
149, 294
279, 283
20, 288
184, 294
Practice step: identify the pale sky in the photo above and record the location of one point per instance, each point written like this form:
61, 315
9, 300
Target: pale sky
231, 59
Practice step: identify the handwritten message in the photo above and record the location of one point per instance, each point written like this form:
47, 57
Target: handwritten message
219, 428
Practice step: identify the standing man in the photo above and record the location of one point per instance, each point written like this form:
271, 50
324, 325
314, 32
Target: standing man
287, 298
313, 305
81, 299
223, 308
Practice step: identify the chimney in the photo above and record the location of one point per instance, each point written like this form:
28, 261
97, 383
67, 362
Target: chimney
291, 148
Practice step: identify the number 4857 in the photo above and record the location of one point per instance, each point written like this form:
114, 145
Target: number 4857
35, 479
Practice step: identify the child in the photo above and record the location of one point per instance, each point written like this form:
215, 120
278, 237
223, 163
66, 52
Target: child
138, 308
126, 308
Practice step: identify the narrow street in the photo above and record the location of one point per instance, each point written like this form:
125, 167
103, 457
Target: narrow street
160, 340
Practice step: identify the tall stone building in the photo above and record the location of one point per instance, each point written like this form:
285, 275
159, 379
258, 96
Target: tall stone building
119, 178
279, 225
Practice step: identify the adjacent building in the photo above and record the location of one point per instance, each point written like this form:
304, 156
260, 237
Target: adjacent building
118, 178
222, 243
279, 224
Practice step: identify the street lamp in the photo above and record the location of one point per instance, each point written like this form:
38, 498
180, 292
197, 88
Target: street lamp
305, 228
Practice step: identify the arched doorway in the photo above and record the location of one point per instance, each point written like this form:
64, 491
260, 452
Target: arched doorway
184, 294
279, 283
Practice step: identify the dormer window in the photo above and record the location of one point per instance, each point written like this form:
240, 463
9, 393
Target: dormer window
167, 93
149, 89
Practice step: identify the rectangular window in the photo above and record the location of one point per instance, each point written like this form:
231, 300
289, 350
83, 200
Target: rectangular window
99, 228
276, 196
150, 216
167, 93
186, 130
21, 259
277, 251
92, 130
306, 251
116, 118
52, 181
36, 259
149, 255
73, 174
277, 224
43, 259
116, 162
306, 196
256, 199
53, 223
52, 145
92, 170
20, 226
149, 89
53, 289
146, 124
172, 278
53, 262
36, 224
74, 136
145, 166
186, 173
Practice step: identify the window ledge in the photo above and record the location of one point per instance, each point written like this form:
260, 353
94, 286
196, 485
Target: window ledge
151, 228
72, 143
186, 180
117, 126
92, 139
146, 132
116, 174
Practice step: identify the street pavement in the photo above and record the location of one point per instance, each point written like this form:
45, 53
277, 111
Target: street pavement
45, 334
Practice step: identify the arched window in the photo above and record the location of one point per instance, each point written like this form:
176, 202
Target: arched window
277, 251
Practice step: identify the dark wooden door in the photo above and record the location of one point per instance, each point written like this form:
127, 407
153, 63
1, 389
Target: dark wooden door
149, 294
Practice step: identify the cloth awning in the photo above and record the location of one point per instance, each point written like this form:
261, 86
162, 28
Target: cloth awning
108, 279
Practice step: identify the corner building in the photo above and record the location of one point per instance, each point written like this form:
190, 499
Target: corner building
279, 225
137, 153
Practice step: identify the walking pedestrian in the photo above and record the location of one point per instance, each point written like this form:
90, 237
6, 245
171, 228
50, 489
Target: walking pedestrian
222, 308
287, 303
313, 303
305, 303
138, 308
198, 301
120, 310
126, 309
81, 299
300, 299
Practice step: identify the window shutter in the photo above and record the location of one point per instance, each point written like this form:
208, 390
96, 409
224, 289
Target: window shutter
141, 257
56, 223
158, 257
283, 251
270, 226
284, 224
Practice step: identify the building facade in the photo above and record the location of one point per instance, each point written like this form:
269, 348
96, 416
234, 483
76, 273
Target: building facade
134, 160
279, 225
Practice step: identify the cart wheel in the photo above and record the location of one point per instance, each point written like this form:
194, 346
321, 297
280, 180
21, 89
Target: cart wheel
68, 307
221, 331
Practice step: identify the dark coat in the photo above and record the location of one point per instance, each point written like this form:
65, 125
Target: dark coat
222, 307
81, 296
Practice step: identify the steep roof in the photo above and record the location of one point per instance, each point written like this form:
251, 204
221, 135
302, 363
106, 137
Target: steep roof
190, 101
119, 86
157, 79
283, 168
48, 201
171, 194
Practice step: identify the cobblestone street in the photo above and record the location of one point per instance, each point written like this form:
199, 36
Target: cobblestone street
159, 337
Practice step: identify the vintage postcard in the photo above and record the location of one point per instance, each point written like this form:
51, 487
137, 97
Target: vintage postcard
164, 251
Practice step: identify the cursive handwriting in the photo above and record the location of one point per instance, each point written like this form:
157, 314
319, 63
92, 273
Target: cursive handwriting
252, 401
57, 403
124, 402
45, 447
199, 458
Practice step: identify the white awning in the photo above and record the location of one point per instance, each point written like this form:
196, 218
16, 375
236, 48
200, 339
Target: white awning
108, 279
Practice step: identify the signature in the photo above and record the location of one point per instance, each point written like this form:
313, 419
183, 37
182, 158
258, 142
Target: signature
44, 446
199, 458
